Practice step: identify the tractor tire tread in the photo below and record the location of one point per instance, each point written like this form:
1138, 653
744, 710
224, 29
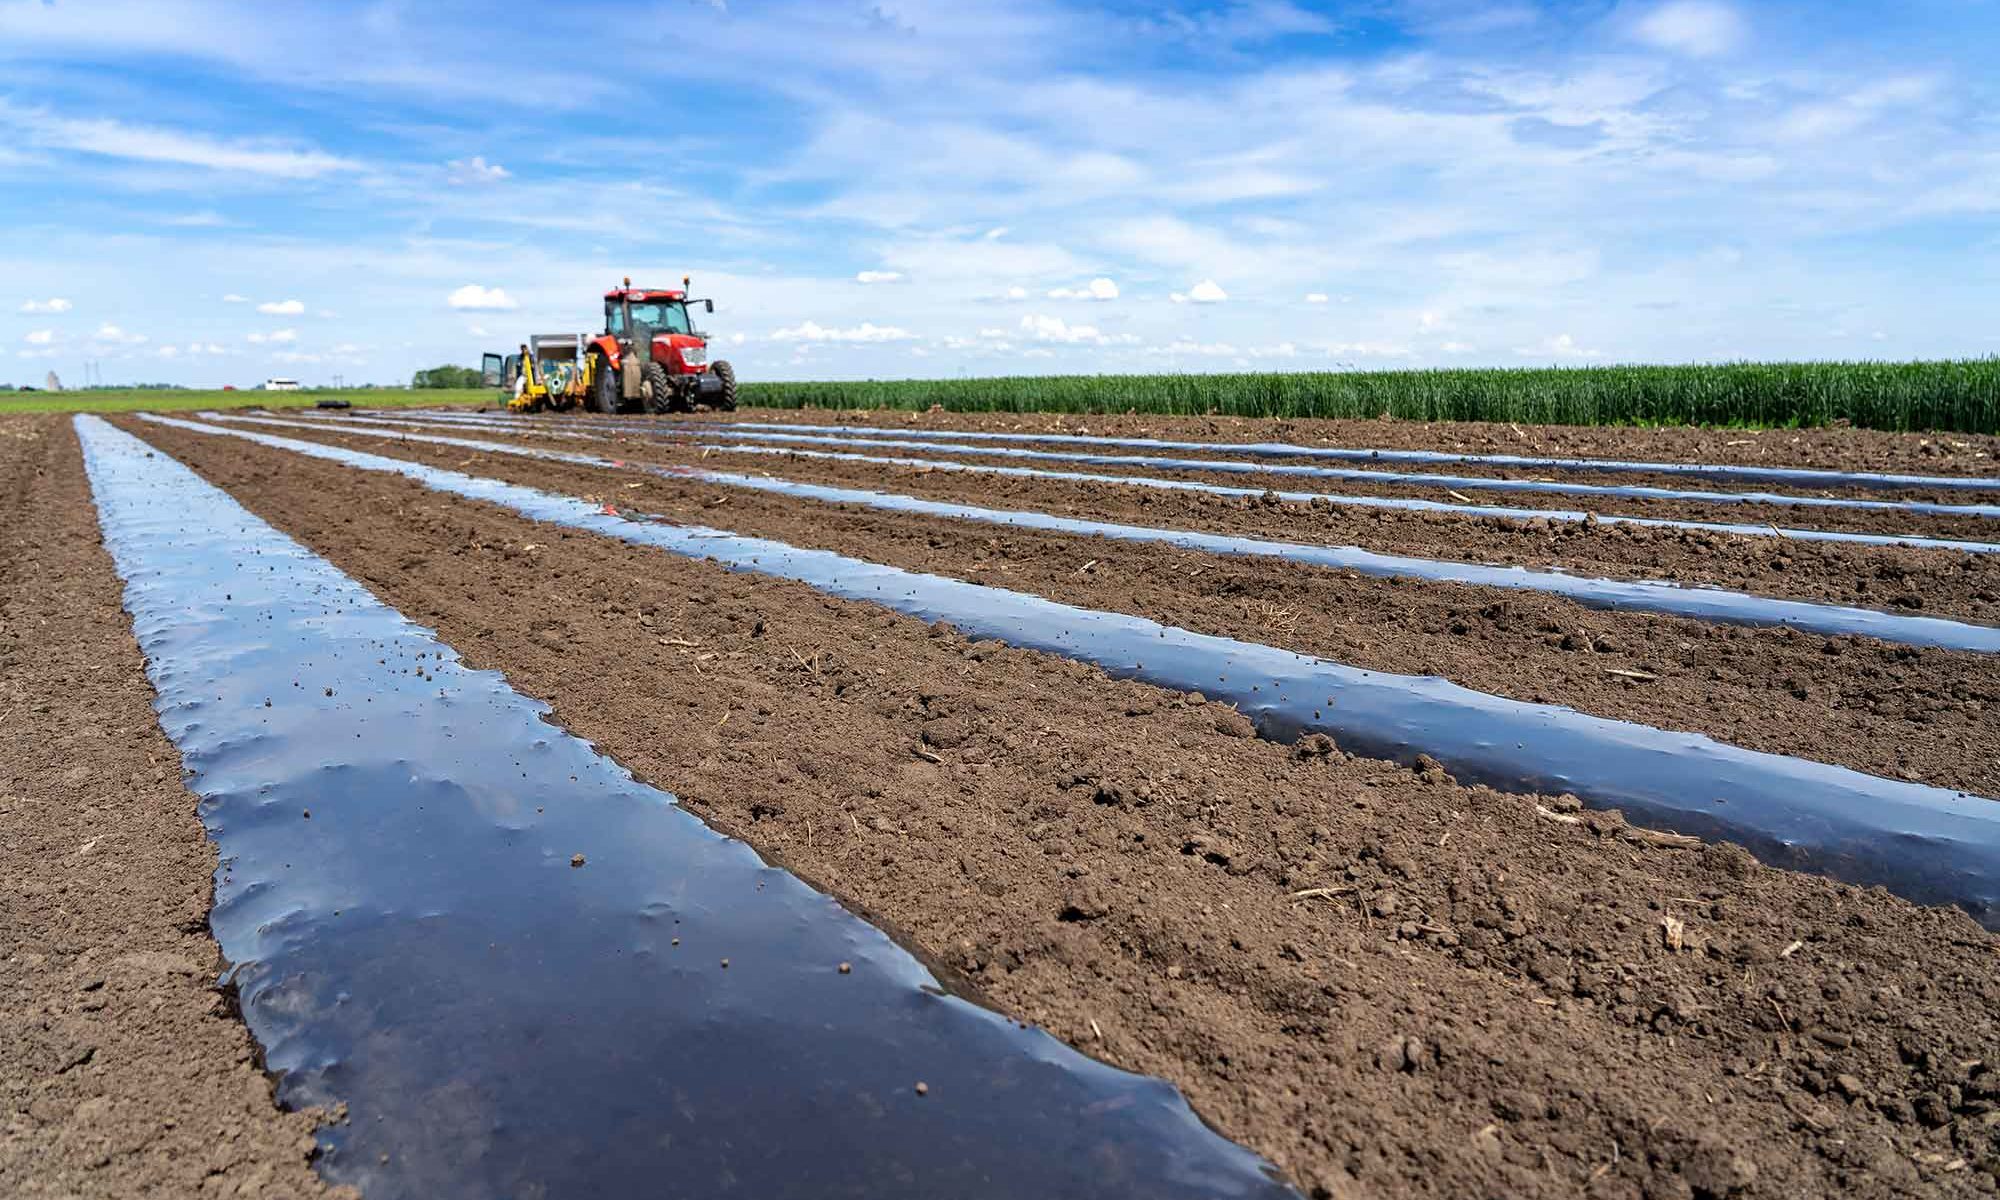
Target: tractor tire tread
725, 401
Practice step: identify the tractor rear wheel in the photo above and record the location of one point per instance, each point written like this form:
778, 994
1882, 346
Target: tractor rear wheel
659, 391
725, 400
604, 386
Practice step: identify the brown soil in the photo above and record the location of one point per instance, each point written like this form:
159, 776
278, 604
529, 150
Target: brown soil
1894, 710
1962, 528
1827, 449
1971, 527
123, 1069
1390, 984
1931, 582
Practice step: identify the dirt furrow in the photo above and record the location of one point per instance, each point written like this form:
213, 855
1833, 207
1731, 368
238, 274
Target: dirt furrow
1936, 583
1360, 478
1899, 711
1832, 449
1692, 498
123, 1069
1388, 983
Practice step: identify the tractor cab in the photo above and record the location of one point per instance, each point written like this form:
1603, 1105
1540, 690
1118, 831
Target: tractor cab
660, 311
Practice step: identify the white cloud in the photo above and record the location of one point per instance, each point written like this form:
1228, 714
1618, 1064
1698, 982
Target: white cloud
1315, 297
112, 335
878, 276
478, 331
282, 308
813, 331
1458, 348
1055, 329
996, 233
1702, 28
168, 352
142, 143
1017, 293
474, 298
1188, 346
206, 219
1562, 345
275, 337
1041, 328
54, 305
474, 171
40, 337
1368, 350
233, 298
1205, 292
1096, 289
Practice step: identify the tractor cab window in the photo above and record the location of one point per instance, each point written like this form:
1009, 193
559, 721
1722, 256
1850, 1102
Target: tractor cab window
665, 316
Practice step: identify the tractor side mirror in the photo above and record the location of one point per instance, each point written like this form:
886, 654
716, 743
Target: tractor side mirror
710, 304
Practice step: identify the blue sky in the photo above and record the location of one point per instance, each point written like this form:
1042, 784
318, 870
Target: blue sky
208, 192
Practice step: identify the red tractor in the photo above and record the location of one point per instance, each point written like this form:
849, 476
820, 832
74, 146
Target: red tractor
651, 356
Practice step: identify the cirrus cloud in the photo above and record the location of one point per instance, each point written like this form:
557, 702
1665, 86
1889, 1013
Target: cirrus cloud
110, 138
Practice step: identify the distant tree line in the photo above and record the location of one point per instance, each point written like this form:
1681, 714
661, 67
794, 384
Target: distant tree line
446, 377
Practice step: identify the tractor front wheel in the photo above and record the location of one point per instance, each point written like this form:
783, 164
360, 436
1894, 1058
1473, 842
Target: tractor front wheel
725, 400
659, 390
604, 386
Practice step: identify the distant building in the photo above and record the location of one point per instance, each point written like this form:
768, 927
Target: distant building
281, 385
52, 384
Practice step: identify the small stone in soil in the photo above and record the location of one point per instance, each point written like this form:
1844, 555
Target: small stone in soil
576, 860
725, 964
846, 968
923, 1089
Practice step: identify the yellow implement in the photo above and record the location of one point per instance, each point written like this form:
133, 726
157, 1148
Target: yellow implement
551, 371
